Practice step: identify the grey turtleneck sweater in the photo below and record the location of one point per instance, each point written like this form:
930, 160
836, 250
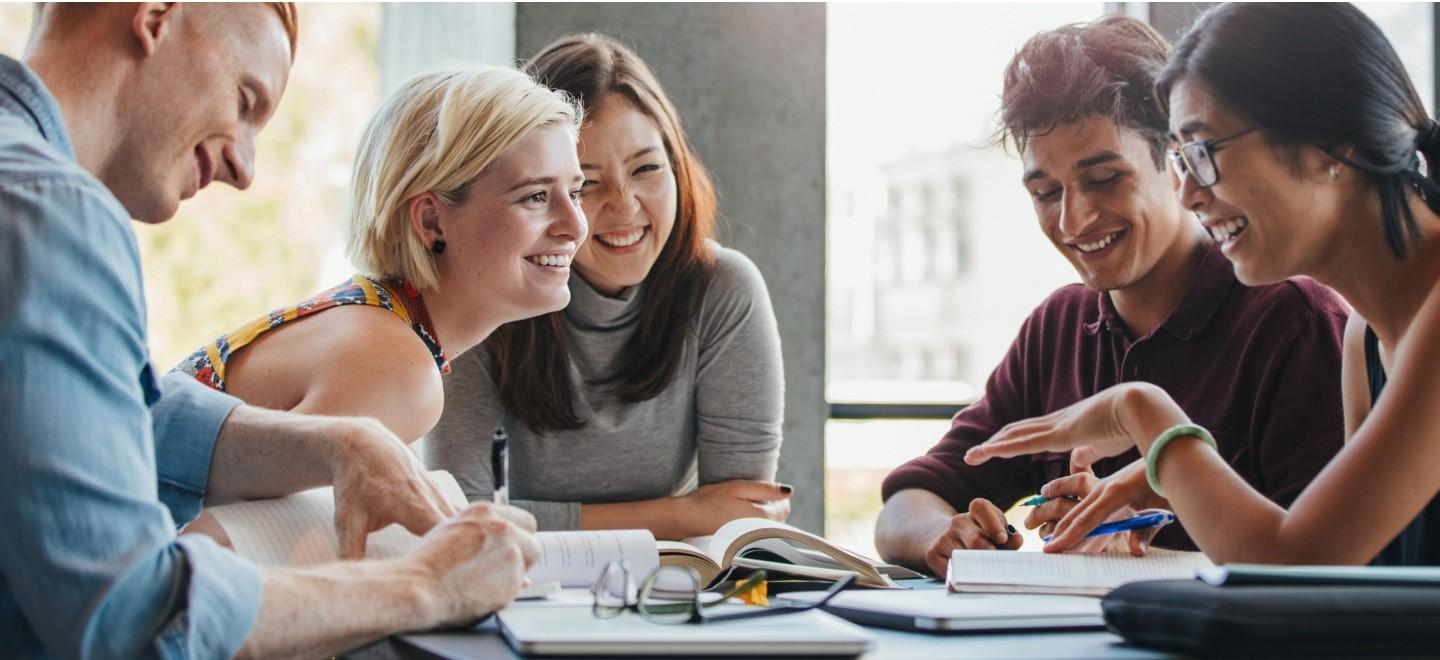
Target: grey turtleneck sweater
719, 419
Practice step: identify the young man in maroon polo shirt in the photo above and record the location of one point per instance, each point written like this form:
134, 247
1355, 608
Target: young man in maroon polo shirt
1260, 366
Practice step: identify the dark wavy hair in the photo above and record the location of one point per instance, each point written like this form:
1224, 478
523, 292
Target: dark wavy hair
1106, 67
1325, 75
529, 358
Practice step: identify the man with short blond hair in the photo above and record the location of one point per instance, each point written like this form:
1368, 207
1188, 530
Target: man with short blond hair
121, 111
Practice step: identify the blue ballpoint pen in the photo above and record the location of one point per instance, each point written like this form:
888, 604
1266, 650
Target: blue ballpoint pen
1140, 521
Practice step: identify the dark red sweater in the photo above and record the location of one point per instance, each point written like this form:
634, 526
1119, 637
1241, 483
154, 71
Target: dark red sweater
1257, 366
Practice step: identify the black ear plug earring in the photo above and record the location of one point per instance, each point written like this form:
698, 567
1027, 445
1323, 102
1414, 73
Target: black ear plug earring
438, 246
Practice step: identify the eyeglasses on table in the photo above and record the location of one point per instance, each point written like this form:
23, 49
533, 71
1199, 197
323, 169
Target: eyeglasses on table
672, 594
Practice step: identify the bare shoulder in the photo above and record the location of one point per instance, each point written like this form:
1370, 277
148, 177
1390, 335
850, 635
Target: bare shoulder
1355, 328
351, 360
378, 365
375, 339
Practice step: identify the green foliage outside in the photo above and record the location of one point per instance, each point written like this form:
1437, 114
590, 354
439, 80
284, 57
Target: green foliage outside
229, 256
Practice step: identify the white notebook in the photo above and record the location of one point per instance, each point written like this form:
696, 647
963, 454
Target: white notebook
573, 630
1008, 571
936, 610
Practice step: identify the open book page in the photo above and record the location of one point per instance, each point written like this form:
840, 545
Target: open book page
1037, 572
804, 556
800, 551
575, 559
737, 535
299, 529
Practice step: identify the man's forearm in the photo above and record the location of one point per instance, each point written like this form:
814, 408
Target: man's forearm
909, 525
324, 610
268, 453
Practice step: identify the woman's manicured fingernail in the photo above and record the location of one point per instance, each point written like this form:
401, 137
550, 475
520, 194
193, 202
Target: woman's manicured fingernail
785, 488
1010, 528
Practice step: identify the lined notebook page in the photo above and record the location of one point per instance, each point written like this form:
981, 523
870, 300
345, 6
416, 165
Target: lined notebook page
299, 529
575, 559
1006, 570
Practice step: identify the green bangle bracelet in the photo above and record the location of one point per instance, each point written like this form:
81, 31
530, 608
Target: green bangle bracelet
1152, 459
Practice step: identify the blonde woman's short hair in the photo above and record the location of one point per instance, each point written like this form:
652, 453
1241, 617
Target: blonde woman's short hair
438, 133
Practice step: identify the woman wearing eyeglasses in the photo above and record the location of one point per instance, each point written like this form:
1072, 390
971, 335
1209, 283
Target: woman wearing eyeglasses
1304, 149
655, 400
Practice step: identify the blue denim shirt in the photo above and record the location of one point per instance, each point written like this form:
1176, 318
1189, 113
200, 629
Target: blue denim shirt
98, 459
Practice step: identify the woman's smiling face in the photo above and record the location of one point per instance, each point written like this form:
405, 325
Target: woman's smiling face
629, 195
1272, 214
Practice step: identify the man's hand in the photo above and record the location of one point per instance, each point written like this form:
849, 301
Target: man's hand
476, 561
1115, 497
379, 481
982, 528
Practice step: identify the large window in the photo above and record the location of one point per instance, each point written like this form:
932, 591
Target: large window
229, 256
1410, 27
934, 253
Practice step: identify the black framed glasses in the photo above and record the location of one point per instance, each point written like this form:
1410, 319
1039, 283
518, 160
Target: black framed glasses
1196, 158
672, 594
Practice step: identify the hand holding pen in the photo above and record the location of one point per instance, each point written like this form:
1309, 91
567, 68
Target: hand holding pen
981, 527
1057, 498
1121, 494
1142, 520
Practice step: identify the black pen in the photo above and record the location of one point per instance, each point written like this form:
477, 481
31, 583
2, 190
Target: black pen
500, 462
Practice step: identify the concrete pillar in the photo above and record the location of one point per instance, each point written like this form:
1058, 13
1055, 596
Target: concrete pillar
749, 81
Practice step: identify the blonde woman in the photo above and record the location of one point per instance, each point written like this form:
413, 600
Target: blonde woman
464, 216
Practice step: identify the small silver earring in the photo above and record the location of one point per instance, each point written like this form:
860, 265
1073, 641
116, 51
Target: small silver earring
1334, 173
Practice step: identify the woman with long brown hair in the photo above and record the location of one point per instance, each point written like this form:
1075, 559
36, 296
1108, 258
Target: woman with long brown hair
655, 400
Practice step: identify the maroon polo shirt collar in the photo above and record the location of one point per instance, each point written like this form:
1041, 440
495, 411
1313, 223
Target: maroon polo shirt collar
1207, 291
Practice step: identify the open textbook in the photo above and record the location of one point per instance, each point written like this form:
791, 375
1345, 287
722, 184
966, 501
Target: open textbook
299, 530
777, 547
1008, 571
